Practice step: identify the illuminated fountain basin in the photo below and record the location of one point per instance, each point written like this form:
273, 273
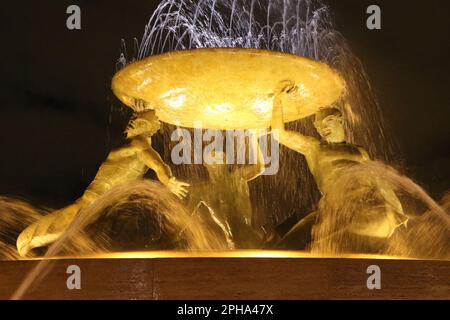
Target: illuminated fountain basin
226, 88
157, 275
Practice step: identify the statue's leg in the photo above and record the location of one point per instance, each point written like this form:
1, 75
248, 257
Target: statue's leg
368, 232
48, 229
300, 235
379, 222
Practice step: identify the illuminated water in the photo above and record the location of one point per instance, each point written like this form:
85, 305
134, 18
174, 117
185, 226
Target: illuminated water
145, 216
426, 234
301, 27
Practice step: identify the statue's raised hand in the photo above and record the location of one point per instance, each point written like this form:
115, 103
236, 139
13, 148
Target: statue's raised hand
179, 188
141, 105
285, 87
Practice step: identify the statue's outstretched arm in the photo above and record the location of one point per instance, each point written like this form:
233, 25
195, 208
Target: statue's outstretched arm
291, 139
153, 160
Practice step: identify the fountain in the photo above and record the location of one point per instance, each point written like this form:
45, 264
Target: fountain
218, 64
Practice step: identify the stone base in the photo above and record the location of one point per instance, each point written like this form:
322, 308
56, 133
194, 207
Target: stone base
232, 278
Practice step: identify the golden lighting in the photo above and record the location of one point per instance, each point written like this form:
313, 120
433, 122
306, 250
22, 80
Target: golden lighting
275, 254
226, 88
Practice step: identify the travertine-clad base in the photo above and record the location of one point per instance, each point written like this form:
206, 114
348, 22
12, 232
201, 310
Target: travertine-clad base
233, 278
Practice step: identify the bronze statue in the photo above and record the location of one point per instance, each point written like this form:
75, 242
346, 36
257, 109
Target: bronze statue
125, 164
326, 158
226, 195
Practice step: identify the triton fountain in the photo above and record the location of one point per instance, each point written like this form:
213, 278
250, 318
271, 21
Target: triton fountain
238, 65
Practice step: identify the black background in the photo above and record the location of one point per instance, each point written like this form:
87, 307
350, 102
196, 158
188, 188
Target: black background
58, 117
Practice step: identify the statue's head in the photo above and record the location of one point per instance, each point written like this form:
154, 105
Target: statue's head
329, 123
215, 163
143, 124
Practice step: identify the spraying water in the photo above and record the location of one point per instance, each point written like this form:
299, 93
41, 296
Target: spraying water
136, 216
301, 27
353, 200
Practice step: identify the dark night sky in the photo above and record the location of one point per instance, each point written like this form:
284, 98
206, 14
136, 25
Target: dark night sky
56, 103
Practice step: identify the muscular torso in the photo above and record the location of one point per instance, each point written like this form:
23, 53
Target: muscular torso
121, 166
326, 161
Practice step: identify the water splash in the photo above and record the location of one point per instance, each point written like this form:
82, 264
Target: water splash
16, 215
137, 216
140, 216
426, 234
301, 27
